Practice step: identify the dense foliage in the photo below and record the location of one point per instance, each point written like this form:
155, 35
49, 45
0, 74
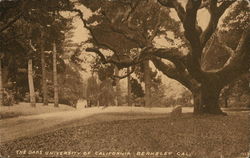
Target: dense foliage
34, 23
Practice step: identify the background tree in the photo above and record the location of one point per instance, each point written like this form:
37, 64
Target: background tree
137, 92
30, 75
31, 84
107, 95
153, 85
147, 81
118, 88
44, 18
72, 89
1, 81
43, 66
92, 91
56, 99
129, 87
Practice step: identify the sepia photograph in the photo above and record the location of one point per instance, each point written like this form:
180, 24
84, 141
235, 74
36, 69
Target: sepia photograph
124, 79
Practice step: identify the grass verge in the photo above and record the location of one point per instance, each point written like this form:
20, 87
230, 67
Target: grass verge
187, 136
23, 109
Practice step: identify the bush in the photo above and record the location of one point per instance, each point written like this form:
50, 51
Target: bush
8, 98
106, 95
68, 96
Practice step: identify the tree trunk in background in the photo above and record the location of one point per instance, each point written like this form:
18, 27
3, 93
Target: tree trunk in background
226, 102
129, 88
147, 81
31, 84
1, 84
44, 79
56, 99
118, 88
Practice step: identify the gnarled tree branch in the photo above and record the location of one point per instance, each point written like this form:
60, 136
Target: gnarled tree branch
155, 30
101, 44
191, 30
121, 61
224, 45
99, 53
172, 55
177, 6
131, 33
239, 62
124, 76
183, 77
6, 26
215, 13
16, 17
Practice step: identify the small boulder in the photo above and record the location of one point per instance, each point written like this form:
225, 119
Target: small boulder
176, 111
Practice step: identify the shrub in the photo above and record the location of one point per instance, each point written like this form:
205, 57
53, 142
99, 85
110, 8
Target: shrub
8, 98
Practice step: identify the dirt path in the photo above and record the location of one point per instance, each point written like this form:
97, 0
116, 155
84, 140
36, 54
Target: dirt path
14, 128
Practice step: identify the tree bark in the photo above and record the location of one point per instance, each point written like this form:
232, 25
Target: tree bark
44, 82
1, 84
147, 81
56, 99
31, 84
129, 87
206, 100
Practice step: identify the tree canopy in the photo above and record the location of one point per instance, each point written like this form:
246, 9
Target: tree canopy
29, 27
126, 21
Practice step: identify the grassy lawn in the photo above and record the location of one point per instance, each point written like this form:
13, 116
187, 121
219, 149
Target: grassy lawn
22, 109
187, 136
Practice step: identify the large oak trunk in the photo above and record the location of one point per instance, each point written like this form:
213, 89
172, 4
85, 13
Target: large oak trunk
31, 84
206, 100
